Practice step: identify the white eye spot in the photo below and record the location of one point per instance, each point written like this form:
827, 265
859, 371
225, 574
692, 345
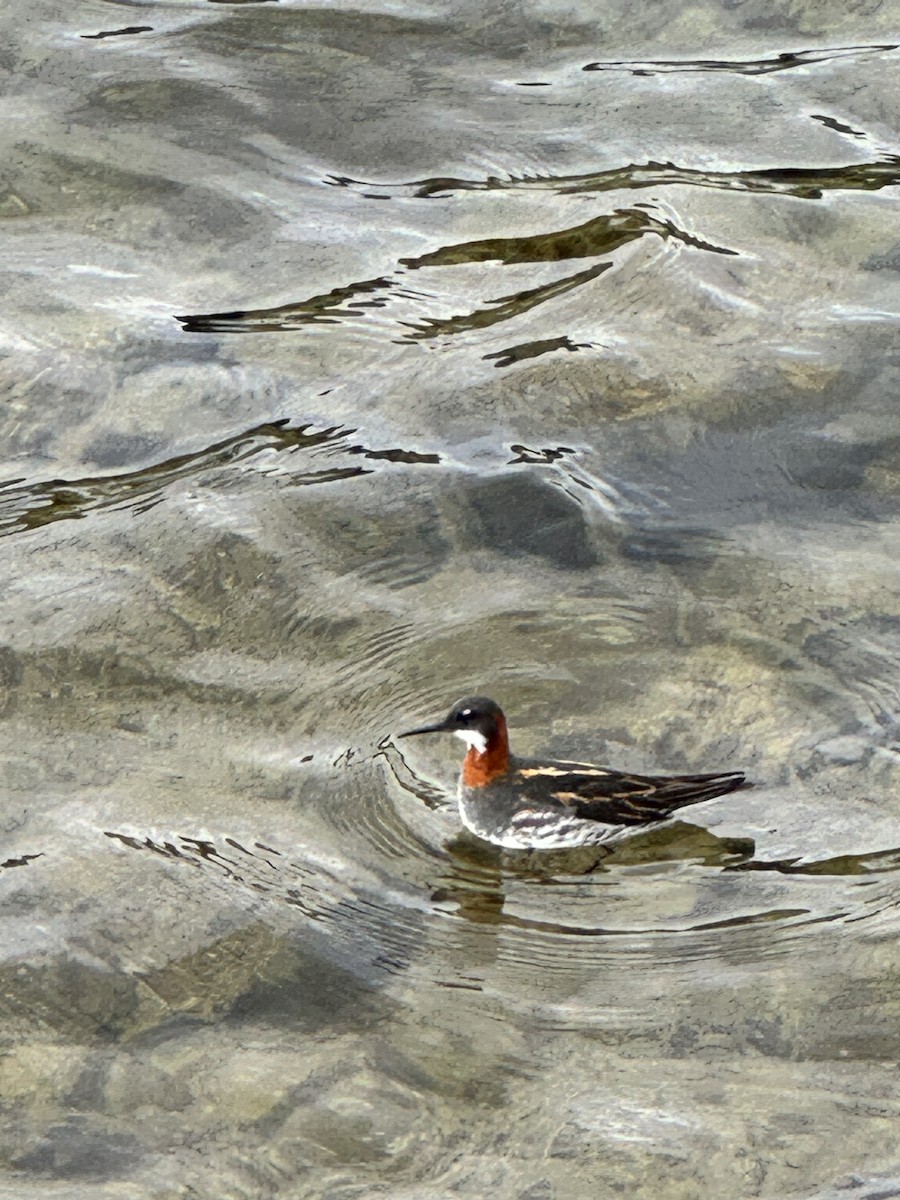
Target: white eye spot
473, 739
466, 712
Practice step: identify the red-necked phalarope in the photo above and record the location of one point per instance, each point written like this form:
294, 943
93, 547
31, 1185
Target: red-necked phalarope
532, 804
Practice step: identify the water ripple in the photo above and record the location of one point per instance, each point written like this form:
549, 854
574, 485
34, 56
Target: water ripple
28, 506
127, 31
600, 236
514, 354
785, 61
803, 183
324, 309
381, 876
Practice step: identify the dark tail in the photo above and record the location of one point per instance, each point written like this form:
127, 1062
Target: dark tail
678, 791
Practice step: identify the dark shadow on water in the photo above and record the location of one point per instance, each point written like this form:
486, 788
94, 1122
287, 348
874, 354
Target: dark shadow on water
108, 33
785, 61
597, 237
25, 506
514, 354
837, 126
542, 457
331, 306
803, 183
600, 235
503, 308
843, 864
21, 860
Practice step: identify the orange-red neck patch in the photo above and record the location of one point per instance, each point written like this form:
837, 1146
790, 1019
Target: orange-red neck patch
481, 767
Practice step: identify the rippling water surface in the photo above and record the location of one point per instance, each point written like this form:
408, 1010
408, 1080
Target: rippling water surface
357, 356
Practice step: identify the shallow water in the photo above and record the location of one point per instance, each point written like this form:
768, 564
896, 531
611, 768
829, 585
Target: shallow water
359, 356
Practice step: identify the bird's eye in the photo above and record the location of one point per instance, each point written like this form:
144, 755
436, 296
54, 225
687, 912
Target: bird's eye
466, 712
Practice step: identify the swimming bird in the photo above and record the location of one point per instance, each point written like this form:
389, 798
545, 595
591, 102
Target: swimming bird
533, 804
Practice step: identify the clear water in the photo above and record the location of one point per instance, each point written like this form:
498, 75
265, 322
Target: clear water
362, 355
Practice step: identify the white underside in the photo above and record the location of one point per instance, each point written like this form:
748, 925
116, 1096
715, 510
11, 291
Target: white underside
531, 829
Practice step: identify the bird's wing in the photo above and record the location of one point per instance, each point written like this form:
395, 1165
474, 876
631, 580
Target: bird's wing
616, 797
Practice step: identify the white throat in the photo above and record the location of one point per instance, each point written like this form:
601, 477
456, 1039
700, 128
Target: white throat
473, 739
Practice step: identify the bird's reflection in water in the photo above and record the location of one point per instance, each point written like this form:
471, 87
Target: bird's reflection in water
478, 870
841, 864
480, 876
